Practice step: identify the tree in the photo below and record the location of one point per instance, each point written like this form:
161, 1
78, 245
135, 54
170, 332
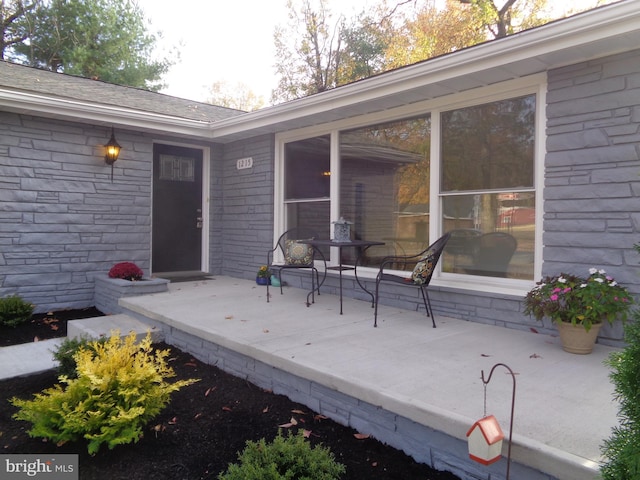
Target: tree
238, 96
15, 28
101, 39
307, 51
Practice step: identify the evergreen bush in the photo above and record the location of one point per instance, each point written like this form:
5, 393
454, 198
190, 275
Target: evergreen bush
120, 387
621, 450
286, 458
67, 350
14, 311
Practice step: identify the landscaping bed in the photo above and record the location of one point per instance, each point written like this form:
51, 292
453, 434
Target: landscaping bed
204, 427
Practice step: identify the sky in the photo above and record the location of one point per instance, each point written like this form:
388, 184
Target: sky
232, 40
223, 40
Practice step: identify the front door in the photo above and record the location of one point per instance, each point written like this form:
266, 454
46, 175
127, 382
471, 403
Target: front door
177, 209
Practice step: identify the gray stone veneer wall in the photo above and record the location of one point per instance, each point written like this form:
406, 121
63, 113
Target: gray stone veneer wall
591, 206
62, 220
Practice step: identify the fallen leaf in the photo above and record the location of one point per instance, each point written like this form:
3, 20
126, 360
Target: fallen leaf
292, 423
374, 464
535, 355
173, 421
197, 416
36, 339
533, 330
209, 390
306, 433
265, 331
227, 409
484, 355
265, 410
228, 317
299, 412
54, 327
320, 417
361, 436
190, 364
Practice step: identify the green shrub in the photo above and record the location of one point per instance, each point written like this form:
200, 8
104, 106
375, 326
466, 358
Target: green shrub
120, 387
290, 458
14, 311
66, 351
622, 460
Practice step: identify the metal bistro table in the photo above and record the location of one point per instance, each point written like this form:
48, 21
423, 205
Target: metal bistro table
363, 245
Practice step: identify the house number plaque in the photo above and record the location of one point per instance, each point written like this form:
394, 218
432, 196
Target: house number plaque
244, 163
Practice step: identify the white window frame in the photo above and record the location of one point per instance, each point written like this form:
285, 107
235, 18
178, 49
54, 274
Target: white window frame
534, 84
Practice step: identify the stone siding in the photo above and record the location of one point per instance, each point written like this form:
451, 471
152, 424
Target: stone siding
62, 220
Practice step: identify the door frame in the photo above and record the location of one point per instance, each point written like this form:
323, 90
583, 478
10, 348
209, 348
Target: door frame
206, 184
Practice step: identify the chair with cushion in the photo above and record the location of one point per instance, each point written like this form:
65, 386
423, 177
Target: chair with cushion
424, 264
297, 255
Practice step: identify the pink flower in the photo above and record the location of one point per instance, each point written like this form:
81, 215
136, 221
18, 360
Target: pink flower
554, 297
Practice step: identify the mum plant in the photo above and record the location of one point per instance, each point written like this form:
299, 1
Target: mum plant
126, 271
263, 272
580, 301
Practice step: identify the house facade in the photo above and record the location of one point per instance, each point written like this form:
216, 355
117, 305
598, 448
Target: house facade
531, 140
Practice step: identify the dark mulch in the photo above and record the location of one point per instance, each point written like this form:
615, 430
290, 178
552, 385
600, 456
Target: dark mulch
204, 427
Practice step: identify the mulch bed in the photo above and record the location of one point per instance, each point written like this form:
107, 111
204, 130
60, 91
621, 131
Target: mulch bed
203, 428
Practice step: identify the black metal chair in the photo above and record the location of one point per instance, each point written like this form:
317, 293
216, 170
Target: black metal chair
492, 254
297, 255
424, 264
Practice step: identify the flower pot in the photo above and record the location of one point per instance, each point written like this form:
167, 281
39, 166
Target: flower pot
576, 339
262, 280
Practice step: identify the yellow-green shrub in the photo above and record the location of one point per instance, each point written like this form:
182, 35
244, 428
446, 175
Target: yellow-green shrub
120, 387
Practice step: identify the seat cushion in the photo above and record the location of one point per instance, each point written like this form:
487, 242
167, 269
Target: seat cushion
423, 269
296, 252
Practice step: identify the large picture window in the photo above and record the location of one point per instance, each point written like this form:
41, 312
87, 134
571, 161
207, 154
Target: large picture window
487, 188
379, 178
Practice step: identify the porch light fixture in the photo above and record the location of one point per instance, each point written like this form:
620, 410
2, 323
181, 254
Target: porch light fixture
112, 150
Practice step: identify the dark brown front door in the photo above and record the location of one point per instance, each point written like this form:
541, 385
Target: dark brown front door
177, 209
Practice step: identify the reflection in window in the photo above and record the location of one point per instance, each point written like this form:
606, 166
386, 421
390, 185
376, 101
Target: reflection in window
307, 179
488, 200
384, 186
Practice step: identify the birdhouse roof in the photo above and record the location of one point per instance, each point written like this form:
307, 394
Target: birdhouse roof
489, 428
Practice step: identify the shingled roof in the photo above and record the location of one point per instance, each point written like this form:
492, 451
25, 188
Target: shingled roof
33, 80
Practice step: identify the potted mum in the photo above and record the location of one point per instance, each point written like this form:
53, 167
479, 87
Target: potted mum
578, 306
263, 275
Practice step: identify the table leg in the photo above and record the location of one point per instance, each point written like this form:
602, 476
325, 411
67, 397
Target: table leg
355, 273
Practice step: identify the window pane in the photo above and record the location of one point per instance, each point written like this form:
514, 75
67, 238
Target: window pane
491, 234
489, 146
314, 215
306, 168
384, 186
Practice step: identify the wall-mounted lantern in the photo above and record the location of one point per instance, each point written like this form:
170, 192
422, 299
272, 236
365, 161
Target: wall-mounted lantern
112, 151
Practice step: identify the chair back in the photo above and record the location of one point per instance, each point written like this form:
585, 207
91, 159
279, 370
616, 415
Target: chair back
434, 251
494, 253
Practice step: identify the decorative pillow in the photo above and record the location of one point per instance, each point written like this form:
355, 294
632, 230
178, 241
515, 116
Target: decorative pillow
423, 269
297, 253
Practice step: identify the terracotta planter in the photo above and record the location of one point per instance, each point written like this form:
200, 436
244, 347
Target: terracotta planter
575, 339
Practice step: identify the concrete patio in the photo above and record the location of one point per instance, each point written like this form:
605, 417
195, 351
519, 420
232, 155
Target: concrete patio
379, 380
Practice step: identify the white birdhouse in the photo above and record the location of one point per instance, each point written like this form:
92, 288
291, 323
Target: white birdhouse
485, 440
